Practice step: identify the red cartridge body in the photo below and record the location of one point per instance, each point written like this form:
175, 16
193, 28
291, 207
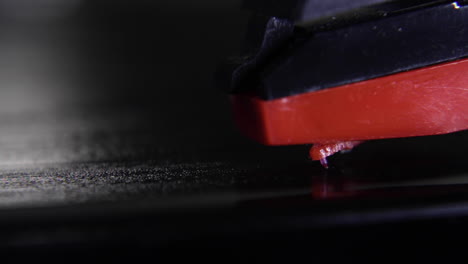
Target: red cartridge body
421, 102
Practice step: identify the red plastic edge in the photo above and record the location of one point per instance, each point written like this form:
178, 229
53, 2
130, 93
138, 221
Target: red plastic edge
427, 101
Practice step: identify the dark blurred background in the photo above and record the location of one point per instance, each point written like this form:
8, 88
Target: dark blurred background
79, 78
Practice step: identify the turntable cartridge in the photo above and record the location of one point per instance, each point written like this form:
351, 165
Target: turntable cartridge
337, 73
